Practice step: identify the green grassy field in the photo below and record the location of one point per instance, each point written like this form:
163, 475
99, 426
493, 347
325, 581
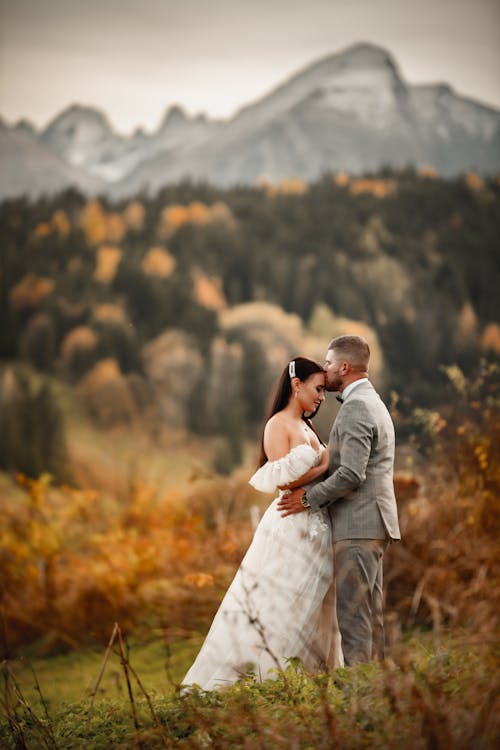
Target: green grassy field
424, 696
71, 677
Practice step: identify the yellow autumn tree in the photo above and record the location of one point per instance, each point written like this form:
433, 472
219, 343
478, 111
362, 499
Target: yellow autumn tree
289, 186
60, 223
490, 339
220, 211
208, 291
428, 172
43, 229
81, 337
93, 222
474, 182
466, 324
380, 188
108, 312
341, 179
30, 291
198, 213
171, 219
133, 215
107, 394
116, 227
158, 262
175, 216
107, 261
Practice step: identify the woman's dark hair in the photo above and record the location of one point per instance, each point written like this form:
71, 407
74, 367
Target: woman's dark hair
304, 368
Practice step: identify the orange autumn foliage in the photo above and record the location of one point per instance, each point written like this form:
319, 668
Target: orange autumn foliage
80, 337
341, 179
61, 223
378, 187
108, 312
107, 395
115, 227
290, 186
133, 215
490, 338
198, 213
171, 219
93, 223
158, 262
208, 291
30, 291
99, 226
107, 261
43, 229
175, 216
474, 182
72, 561
199, 580
428, 172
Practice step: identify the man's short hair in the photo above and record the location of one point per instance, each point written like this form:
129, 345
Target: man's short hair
352, 349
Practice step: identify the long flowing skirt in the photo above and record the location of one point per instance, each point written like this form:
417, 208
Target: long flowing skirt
280, 604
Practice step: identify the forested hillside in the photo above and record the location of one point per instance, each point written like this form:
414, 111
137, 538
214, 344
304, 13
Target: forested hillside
187, 304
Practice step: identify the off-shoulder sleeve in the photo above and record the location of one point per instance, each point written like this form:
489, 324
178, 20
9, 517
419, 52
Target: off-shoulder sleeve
284, 470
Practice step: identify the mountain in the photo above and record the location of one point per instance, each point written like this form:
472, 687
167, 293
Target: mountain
28, 167
84, 137
457, 133
351, 111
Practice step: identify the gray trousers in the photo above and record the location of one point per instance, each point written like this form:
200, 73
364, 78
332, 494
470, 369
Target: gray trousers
359, 581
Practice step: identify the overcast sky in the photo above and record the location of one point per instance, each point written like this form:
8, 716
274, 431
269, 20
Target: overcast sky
134, 58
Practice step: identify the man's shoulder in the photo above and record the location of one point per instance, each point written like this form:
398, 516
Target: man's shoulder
361, 397
355, 409
364, 402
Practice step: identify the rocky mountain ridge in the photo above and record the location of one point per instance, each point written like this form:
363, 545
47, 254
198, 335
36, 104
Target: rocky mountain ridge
351, 111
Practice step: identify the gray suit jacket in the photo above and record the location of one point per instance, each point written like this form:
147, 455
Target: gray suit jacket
359, 491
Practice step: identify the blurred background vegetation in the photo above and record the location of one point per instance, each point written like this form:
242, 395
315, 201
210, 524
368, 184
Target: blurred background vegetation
181, 309
139, 345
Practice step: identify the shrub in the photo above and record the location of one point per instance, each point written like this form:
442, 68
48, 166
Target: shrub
32, 434
444, 570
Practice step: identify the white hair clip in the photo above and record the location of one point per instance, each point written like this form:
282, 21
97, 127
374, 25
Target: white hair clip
291, 369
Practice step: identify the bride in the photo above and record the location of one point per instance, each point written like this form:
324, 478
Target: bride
281, 602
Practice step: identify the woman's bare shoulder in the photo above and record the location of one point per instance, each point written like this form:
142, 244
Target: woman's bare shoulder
277, 423
276, 436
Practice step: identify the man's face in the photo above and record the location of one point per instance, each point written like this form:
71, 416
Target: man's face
333, 366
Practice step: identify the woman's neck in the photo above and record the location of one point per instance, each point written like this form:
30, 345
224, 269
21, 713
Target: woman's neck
293, 409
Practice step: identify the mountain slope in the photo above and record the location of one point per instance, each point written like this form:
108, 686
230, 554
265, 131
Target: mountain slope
27, 167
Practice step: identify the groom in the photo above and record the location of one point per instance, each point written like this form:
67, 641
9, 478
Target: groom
359, 494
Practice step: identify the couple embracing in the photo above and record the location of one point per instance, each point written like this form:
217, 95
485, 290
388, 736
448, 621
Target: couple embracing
310, 584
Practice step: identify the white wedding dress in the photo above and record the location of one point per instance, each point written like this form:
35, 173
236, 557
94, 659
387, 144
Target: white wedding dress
281, 602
